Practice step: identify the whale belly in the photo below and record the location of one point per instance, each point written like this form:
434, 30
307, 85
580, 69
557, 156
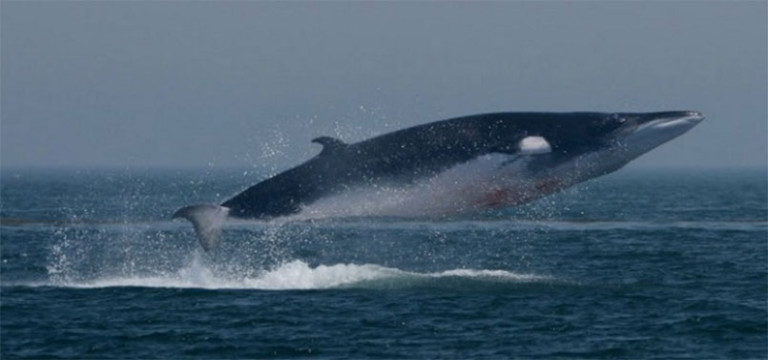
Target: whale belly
490, 181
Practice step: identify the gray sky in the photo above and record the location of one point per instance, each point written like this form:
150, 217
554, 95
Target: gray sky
133, 84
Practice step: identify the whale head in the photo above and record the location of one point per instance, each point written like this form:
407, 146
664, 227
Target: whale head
643, 132
638, 133
607, 142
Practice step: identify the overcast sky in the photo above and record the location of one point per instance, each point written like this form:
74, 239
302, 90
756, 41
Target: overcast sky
134, 84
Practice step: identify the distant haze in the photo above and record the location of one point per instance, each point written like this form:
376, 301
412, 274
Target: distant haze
135, 84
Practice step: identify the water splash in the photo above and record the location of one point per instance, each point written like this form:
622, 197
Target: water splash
298, 275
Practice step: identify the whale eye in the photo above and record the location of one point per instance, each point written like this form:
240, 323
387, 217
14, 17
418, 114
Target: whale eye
534, 145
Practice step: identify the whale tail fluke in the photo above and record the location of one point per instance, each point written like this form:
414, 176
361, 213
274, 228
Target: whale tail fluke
207, 219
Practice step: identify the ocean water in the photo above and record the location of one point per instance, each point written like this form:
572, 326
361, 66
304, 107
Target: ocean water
638, 264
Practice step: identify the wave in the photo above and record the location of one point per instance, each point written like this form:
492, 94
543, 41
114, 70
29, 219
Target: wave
492, 221
504, 224
299, 275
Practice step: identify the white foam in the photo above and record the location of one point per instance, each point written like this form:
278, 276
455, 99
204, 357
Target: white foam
297, 275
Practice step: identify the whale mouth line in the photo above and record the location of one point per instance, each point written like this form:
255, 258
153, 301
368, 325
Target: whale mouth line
691, 118
688, 121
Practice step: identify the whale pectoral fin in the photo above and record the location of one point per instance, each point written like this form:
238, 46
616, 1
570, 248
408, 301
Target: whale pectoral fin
330, 144
207, 219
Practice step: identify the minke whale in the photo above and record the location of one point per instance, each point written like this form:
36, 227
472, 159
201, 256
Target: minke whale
458, 165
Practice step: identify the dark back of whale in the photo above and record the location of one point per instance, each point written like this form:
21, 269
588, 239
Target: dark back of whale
415, 153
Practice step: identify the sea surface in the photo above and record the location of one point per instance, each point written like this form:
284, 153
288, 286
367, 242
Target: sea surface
651, 264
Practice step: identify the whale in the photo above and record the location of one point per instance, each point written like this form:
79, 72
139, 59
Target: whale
463, 164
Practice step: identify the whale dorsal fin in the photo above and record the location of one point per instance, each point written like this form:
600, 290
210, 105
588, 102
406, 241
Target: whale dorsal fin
330, 144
